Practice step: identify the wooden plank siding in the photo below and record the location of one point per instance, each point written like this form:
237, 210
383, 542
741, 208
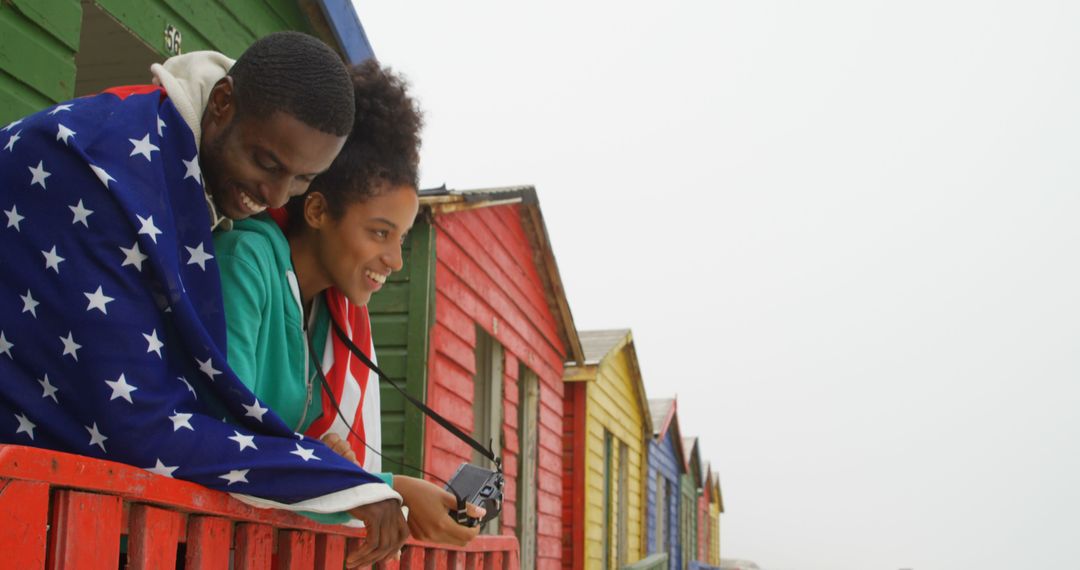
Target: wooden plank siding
401, 317
39, 40
666, 465
486, 277
664, 461
613, 395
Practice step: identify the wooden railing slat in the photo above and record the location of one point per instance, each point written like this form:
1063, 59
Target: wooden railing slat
329, 552
436, 560
412, 558
494, 561
254, 547
296, 550
86, 531
209, 540
152, 537
25, 508
93, 501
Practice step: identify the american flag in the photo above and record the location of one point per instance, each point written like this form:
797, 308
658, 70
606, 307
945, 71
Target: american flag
112, 333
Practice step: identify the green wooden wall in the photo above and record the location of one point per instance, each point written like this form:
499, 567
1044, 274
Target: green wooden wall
39, 38
38, 41
401, 317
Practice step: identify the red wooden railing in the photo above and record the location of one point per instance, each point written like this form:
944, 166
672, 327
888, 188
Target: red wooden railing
63, 511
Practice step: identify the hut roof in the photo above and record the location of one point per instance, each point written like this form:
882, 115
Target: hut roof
665, 418
598, 345
661, 410
440, 201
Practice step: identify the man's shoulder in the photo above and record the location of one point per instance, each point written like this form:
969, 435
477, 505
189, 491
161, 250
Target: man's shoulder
256, 238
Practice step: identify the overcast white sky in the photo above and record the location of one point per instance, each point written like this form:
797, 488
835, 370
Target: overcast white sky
845, 233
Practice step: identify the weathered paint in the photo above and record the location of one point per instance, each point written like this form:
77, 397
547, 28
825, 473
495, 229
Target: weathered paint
690, 482
716, 507
665, 459
613, 396
705, 522
485, 277
39, 39
401, 317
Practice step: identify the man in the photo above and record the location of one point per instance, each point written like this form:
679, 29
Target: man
112, 334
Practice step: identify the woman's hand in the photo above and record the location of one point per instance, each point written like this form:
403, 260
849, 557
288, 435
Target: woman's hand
429, 512
340, 447
386, 532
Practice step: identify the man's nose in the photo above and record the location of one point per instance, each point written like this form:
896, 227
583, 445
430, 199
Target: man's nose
277, 191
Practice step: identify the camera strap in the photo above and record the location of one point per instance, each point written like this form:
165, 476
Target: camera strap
445, 423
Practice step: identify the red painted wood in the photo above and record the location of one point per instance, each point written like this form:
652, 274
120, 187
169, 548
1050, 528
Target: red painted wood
296, 550
329, 552
209, 540
24, 510
131, 483
486, 276
474, 561
436, 560
254, 547
152, 537
457, 321
412, 558
86, 531
477, 295
578, 474
493, 561
460, 352
483, 248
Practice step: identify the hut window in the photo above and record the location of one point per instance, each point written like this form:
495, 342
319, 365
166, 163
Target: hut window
488, 402
528, 425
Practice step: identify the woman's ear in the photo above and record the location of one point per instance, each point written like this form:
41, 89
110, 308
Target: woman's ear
315, 209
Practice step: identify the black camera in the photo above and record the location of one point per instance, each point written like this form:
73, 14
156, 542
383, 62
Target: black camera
479, 486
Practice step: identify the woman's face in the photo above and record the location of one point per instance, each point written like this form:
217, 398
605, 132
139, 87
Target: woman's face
359, 251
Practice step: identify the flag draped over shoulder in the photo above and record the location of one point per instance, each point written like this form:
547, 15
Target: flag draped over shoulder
354, 385
112, 333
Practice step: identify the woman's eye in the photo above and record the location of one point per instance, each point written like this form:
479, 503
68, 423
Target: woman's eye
381, 234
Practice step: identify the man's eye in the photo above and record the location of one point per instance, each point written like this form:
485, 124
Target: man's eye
381, 234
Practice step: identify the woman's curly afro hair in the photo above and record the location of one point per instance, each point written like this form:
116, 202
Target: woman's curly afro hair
383, 150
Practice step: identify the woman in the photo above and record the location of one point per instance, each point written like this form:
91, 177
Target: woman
335, 246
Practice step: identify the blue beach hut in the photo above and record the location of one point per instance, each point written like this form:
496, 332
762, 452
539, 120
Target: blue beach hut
666, 464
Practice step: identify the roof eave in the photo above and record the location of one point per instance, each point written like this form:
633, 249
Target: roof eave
450, 201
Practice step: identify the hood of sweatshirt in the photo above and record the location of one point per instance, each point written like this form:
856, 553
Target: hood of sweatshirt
188, 79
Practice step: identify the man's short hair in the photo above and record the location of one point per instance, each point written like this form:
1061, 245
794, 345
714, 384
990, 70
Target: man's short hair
296, 74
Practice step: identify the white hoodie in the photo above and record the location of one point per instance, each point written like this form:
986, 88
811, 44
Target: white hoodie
188, 79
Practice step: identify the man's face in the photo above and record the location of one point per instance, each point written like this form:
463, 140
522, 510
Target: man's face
251, 163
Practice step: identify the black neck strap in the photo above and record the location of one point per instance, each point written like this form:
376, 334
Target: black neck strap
488, 453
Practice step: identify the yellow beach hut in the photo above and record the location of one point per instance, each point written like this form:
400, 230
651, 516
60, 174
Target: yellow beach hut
606, 425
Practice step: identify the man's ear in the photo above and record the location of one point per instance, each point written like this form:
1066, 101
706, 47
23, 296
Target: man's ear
315, 209
221, 106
